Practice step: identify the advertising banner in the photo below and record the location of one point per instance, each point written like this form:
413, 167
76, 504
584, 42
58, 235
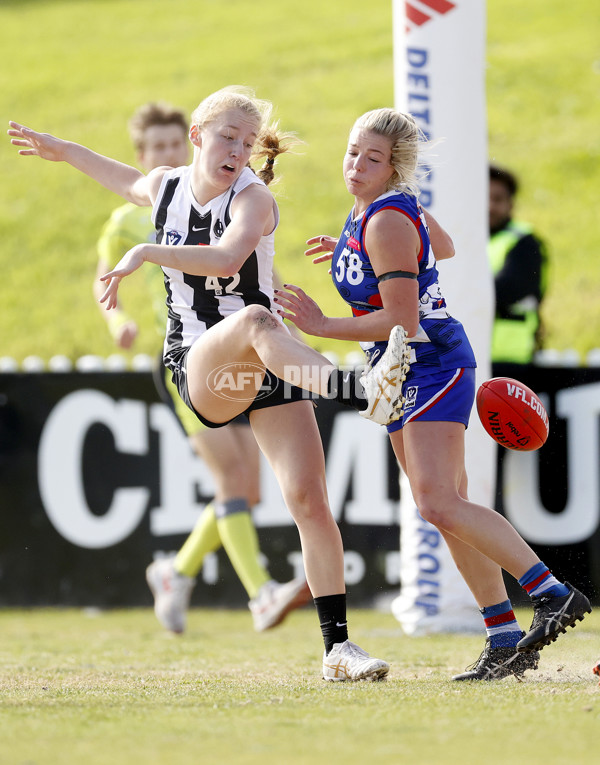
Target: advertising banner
97, 477
552, 496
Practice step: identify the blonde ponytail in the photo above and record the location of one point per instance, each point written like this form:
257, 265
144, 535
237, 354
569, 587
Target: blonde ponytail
271, 142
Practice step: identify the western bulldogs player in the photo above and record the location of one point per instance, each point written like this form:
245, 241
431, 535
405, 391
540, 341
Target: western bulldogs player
383, 265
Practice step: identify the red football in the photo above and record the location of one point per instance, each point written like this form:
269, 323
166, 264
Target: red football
512, 414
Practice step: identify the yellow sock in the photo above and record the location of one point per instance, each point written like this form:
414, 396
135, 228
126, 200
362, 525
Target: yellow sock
240, 541
203, 539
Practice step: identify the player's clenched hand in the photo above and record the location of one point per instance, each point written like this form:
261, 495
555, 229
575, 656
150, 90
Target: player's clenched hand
325, 244
129, 263
300, 309
37, 144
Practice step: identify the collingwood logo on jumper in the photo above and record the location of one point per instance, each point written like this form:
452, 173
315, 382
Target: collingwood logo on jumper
218, 229
410, 396
173, 237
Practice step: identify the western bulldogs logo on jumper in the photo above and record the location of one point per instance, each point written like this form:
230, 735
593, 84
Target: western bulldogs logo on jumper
410, 396
173, 237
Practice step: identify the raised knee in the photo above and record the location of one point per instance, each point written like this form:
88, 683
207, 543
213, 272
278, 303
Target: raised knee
259, 319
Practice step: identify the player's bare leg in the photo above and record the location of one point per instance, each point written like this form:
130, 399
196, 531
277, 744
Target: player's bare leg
435, 463
289, 438
434, 454
251, 339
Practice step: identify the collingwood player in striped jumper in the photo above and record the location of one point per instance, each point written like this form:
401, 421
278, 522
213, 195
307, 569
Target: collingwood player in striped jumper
384, 267
159, 134
228, 352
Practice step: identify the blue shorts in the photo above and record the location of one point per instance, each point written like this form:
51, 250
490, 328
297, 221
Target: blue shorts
441, 397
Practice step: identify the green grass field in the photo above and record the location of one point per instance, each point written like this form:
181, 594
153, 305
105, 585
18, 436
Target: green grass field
113, 689
79, 69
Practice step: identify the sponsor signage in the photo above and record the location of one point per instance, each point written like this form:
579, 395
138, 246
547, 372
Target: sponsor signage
97, 477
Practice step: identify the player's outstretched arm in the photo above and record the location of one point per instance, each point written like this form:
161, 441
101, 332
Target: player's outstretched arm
251, 218
123, 179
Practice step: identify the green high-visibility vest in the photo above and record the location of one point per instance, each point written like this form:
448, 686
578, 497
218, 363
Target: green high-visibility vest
514, 338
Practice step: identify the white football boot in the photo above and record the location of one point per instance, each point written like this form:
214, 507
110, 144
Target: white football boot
383, 382
274, 601
347, 661
172, 592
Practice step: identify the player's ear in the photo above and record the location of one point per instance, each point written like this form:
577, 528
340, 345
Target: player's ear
195, 136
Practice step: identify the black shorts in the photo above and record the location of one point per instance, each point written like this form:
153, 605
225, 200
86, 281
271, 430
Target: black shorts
273, 391
166, 393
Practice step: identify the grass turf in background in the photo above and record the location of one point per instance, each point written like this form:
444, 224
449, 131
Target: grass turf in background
80, 69
113, 688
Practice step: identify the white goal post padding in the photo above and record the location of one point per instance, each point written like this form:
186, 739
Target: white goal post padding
439, 77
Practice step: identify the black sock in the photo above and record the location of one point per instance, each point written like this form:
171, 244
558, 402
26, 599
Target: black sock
345, 388
332, 618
